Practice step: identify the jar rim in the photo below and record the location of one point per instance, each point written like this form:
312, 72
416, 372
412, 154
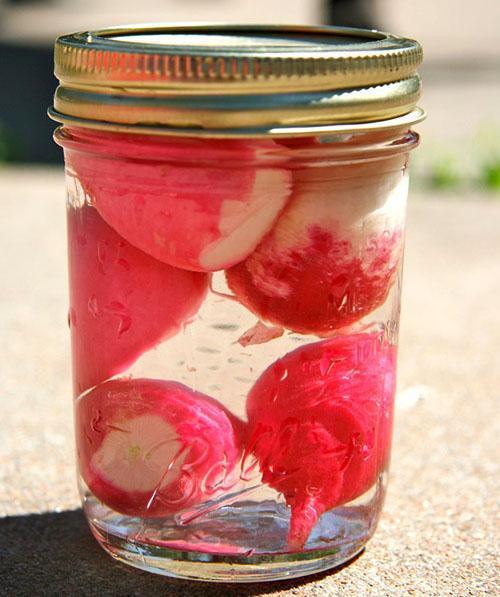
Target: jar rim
407, 120
295, 152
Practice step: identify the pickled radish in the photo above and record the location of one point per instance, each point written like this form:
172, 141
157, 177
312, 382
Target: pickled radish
206, 216
320, 424
151, 448
122, 301
333, 255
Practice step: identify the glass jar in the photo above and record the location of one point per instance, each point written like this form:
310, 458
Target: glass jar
235, 235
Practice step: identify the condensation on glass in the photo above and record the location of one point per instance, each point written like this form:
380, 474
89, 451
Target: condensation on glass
236, 207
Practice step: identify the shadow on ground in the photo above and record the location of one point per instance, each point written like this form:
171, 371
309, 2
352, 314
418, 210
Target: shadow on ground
55, 554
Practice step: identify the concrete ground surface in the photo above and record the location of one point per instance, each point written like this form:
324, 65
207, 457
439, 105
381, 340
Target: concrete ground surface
437, 534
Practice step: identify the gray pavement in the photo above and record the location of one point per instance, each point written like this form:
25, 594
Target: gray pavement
437, 534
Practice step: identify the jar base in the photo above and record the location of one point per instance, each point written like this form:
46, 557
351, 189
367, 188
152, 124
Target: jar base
242, 541
207, 567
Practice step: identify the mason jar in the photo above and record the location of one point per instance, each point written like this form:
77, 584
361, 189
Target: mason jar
236, 206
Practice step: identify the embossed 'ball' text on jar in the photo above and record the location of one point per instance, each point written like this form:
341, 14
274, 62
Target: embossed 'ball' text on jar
236, 205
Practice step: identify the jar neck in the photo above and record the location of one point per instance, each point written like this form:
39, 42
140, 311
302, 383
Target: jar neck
294, 151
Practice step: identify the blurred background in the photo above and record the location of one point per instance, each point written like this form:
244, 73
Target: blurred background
461, 148
438, 534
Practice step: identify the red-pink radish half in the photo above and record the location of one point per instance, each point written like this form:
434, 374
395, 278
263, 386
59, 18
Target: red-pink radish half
199, 212
333, 254
122, 301
319, 424
150, 448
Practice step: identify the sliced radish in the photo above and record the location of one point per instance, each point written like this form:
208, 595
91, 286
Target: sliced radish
259, 334
151, 448
122, 301
320, 424
199, 212
333, 254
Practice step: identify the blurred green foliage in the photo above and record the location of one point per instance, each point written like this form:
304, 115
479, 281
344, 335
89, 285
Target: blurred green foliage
488, 141
491, 175
470, 164
11, 149
445, 175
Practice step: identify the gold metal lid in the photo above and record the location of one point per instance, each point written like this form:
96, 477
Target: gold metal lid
235, 79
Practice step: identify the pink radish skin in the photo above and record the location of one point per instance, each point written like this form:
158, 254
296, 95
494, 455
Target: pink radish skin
333, 254
151, 448
122, 301
201, 215
319, 424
